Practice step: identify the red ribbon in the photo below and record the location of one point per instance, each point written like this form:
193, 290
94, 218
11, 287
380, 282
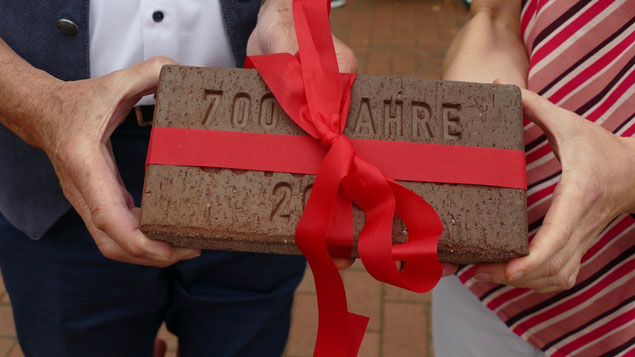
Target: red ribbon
316, 96
303, 155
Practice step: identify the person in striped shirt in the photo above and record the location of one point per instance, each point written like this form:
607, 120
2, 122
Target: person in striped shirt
574, 293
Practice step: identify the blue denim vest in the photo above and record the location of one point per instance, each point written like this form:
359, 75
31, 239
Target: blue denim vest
30, 195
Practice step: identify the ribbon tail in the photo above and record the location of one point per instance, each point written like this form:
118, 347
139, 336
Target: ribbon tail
356, 327
335, 321
340, 234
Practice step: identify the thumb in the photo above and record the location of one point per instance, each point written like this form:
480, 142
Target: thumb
346, 59
539, 110
125, 87
548, 116
552, 119
143, 78
252, 45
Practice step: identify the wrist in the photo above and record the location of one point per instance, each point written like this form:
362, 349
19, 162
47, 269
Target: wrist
629, 177
32, 107
26, 94
504, 14
51, 113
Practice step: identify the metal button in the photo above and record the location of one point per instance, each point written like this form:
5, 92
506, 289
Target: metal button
157, 16
67, 27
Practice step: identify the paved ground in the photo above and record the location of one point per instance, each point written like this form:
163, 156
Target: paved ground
390, 37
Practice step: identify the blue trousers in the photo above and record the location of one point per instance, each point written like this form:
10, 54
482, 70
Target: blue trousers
69, 300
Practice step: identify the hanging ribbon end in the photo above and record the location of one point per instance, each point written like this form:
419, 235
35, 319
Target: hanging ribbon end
356, 328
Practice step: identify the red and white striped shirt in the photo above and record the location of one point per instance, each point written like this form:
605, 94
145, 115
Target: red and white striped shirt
582, 58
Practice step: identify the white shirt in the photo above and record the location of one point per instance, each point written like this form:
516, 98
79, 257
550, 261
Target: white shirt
124, 32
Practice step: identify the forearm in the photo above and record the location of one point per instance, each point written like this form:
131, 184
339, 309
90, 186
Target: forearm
490, 46
26, 94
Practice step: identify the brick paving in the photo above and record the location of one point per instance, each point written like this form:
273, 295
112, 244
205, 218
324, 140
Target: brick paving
8, 342
390, 37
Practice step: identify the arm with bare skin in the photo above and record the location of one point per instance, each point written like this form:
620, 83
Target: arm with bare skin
489, 47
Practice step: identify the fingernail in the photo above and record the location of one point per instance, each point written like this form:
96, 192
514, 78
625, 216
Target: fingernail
449, 269
482, 276
192, 256
157, 257
516, 276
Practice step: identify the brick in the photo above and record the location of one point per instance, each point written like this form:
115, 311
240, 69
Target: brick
378, 63
404, 64
304, 321
307, 285
7, 329
357, 266
16, 351
362, 61
402, 41
363, 294
370, 345
393, 293
382, 36
4, 296
256, 211
405, 330
359, 39
382, 32
6, 343
428, 72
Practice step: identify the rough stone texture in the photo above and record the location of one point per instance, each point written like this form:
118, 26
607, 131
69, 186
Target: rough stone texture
258, 211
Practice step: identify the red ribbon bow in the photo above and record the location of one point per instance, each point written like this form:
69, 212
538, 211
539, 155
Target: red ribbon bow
316, 96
